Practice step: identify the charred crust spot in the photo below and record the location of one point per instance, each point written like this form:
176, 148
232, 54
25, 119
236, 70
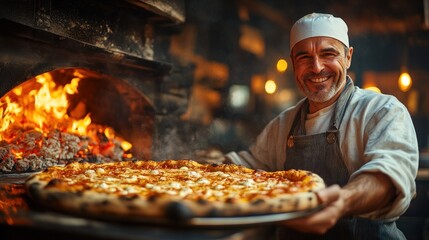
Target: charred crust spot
202, 201
105, 202
152, 198
258, 201
132, 207
178, 211
54, 182
214, 212
53, 197
230, 200
129, 197
296, 203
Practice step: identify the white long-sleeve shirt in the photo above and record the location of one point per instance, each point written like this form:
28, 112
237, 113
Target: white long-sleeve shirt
376, 135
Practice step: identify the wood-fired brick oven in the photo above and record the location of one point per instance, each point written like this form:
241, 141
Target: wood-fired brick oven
112, 43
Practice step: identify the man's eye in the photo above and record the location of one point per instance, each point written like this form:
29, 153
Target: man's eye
329, 54
303, 57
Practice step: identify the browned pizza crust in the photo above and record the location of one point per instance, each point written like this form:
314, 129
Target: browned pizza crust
172, 189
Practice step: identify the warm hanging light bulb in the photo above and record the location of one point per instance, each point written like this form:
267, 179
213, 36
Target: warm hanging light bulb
281, 65
405, 82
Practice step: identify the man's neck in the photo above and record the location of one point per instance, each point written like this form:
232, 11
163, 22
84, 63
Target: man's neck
316, 106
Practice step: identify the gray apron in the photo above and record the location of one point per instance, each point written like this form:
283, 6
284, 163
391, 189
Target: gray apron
320, 153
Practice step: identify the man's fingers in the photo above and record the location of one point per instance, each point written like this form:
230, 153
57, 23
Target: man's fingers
329, 194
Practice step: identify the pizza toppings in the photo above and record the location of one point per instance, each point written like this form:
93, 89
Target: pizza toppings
174, 189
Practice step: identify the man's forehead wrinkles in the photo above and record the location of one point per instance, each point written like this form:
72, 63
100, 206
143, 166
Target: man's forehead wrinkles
323, 50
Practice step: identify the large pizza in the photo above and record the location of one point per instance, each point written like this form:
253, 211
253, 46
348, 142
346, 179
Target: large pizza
172, 189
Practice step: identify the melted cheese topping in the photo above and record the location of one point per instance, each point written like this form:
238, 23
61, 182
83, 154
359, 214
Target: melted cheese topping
183, 178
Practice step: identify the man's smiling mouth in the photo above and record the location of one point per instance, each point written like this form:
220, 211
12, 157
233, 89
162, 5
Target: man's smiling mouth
318, 80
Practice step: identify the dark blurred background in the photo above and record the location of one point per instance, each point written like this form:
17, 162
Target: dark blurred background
231, 49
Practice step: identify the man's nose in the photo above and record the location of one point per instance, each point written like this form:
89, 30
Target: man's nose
317, 65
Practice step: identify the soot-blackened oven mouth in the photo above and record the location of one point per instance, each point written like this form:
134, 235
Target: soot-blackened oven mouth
79, 81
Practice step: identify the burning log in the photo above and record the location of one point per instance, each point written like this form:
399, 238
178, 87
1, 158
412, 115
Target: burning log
32, 151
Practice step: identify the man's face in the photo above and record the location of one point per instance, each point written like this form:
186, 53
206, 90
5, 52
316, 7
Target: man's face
320, 65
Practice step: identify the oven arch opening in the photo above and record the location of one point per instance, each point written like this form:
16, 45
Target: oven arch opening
117, 109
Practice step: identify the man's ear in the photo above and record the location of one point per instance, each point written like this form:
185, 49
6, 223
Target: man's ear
349, 57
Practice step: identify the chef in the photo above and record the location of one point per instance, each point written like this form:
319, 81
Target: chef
362, 143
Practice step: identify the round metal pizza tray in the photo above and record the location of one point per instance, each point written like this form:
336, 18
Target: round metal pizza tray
248, 220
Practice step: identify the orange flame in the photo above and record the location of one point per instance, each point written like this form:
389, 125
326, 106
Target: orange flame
8, 111
45, 109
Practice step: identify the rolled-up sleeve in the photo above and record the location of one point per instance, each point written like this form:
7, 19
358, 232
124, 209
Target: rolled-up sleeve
389, 145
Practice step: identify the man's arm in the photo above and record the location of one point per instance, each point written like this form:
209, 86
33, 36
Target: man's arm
365, 193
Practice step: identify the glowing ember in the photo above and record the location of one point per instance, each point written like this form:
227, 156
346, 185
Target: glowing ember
36, 130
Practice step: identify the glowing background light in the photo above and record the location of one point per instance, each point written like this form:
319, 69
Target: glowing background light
239, 96
404, 82
270, 86
374, 88
281, 65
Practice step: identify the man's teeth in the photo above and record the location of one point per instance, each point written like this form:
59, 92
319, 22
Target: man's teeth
318, 80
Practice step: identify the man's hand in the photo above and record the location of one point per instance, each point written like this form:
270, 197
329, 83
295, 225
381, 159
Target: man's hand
323, 220
365, 193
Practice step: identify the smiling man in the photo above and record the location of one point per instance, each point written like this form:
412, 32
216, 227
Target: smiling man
362, 143
320, 67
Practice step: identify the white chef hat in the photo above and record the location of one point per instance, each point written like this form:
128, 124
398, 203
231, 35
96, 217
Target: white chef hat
319, 25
